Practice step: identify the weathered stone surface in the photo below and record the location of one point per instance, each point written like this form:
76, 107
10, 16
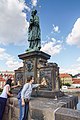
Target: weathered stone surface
44, 109
11, 110
67, 114
34, 53
47, 94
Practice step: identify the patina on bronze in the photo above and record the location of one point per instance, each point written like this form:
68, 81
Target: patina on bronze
34, 33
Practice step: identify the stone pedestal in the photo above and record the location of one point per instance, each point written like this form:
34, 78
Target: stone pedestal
35, 63
32, 61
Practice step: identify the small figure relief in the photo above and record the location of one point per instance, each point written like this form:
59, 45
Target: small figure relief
19, 76
29, 66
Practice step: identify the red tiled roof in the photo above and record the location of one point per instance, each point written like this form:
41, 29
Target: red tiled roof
65, 75
2, 79
76, 81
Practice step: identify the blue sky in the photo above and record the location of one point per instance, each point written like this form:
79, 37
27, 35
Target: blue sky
60, 32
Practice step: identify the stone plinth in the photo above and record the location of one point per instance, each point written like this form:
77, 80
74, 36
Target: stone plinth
32, 61
37, 54
35, 64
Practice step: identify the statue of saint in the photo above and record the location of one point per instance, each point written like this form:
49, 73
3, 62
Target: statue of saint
34, 34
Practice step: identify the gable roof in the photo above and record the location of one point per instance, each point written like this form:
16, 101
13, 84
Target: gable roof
65, 75
2, 79
76, 81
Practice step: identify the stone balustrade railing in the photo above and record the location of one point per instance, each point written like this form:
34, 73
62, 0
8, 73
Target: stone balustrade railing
61, 108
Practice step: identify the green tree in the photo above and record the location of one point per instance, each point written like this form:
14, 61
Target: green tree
67, 84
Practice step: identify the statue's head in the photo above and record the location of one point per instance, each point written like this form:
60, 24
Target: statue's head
34, 12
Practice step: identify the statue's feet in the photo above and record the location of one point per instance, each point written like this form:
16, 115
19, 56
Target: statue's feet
34, 49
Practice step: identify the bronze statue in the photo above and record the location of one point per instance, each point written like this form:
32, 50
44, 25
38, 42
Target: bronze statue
34, 34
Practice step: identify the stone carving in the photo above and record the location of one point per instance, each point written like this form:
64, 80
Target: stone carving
19, 76
45, 75
34, 34
29, 65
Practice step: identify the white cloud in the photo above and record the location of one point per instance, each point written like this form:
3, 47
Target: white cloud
22, 1
1, 51
52, 47
56, 29
78, 59
74, 37
34, 2
13, 24
9, 60
73, 69
12, 64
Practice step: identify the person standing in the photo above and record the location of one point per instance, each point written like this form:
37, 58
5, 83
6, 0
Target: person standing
4, 95
25, 97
